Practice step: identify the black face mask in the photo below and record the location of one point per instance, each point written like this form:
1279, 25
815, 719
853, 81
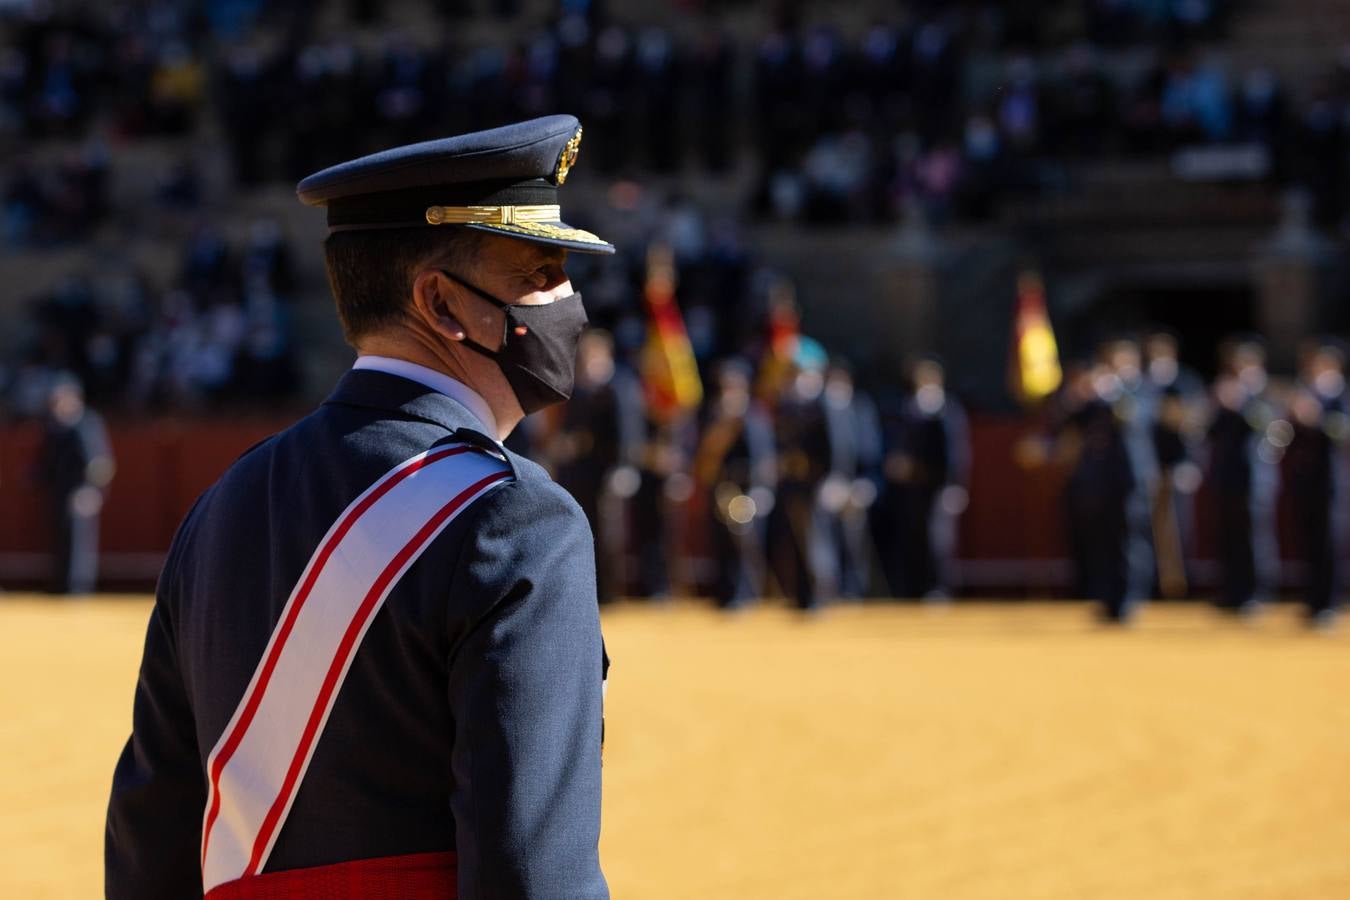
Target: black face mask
540, 365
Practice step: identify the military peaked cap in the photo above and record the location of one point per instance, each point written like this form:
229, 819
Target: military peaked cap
503, 180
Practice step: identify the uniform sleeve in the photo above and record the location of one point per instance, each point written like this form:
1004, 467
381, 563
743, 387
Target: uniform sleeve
525, 695
153, 835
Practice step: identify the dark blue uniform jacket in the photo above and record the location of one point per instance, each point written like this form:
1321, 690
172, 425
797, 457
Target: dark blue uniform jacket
471, 716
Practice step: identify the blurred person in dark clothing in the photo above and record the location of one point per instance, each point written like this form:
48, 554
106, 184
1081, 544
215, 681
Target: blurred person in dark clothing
266, 263
1320, 142
658, 77
1261, 113
926, 470
1082, 100
25, 204
850, 490
67, 319
1126, 387
660, 476
781, 128
735, 465
935, 72
75, 464
802, 551
881, 72
608, 100
1019, 107
1316, 473
176, 89
597, 448
1164, 370
264, 366
825, 77
65, 65
58, 202
1091, 437
405, 92
1178, 479
246, 112
1177, 398
208, 272
1247, 440
714, 73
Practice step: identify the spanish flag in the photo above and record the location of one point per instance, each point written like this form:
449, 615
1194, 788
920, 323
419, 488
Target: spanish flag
1033, 364
669, 371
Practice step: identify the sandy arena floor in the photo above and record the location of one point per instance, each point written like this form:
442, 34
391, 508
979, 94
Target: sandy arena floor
875, 752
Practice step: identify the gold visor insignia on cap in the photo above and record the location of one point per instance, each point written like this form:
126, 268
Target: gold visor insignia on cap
492, 215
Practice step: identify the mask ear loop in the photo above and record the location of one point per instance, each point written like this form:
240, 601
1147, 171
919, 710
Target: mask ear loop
520, 330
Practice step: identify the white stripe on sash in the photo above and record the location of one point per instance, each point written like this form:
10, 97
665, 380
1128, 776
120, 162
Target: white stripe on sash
256, 767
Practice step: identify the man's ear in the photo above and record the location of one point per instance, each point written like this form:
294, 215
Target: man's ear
432, 300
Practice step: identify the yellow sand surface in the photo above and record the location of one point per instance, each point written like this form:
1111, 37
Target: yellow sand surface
982, 751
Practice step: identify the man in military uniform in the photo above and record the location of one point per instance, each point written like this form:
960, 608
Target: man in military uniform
662, 464
927, 469
802, 551
1176, 397
597, 448
735, 465
1246, 444
1097, 496
75, 465
1135, 406
1321, 430
850, 489
374, 665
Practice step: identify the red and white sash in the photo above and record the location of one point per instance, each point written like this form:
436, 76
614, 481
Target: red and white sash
257, 765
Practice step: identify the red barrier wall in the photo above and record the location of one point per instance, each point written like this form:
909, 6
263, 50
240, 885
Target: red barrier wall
1012, 536
162, 466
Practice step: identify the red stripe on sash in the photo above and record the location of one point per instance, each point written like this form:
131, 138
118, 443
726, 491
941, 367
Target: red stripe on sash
416, 876
344, 650
265, 674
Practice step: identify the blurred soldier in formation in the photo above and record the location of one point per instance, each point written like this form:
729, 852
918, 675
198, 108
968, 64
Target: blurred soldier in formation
1135, 405
736, 466
1247, 440
75, 465
926, 470
661, 481
1320, 430
800, 547
1177, 401
1097, 496
851, 487
1164, 371
596, 451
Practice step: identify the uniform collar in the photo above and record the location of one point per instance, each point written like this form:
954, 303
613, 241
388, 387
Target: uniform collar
395, 395
437, 381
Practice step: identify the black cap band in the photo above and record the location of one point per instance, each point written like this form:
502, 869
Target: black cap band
407, 208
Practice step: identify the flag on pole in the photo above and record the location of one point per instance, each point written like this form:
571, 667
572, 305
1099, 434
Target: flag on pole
669, 371
1033, 372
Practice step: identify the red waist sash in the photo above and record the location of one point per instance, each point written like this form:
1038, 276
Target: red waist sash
416, 876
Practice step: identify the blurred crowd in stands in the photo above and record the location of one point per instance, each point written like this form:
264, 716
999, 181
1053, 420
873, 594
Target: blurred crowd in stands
952, 105
945, 107
221, 335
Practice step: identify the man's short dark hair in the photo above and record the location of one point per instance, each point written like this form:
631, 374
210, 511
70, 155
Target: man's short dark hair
371, 272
